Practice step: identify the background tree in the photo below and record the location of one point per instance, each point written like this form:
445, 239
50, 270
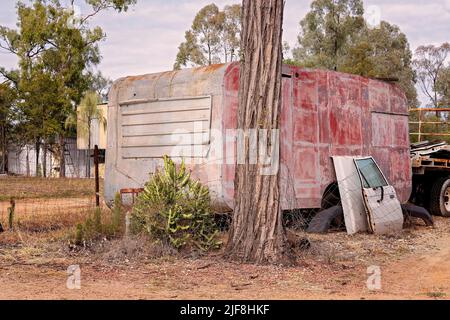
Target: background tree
430, 67
213, 38
56, 50
335, 36
257, 233
443, 87
434, 80
231, 34
7, 102
101, 86
87, 113
327, 32
383, 52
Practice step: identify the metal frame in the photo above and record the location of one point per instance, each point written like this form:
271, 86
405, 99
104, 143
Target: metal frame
420, 122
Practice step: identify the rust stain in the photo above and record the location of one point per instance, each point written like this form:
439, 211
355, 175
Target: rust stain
151, 76
136, 78
325, 113
209, 69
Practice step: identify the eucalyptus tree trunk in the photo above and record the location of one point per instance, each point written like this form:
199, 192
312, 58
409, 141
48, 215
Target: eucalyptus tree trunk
4, 149
37, 146
44, 159
257, 234
28, 161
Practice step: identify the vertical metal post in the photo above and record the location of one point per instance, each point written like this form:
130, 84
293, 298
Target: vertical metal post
97, 178
420, 125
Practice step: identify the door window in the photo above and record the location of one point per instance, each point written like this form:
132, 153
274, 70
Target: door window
371, 175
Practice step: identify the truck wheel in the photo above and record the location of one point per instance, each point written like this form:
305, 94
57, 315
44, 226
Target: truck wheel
440, 197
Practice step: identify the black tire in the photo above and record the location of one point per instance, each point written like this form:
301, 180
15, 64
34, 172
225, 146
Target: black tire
439, 203
412, 211
321, 223
331, 197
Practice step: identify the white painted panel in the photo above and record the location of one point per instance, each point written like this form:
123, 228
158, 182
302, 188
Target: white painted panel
159, 152
166, 140
164, 106
385, 216
350, 189
174, 127
161, 129
385, 213
167, 117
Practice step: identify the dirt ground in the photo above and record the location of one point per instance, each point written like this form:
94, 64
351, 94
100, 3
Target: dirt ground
414, 265
34, 259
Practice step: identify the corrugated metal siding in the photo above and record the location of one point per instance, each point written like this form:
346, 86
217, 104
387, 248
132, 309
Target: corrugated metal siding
75, 166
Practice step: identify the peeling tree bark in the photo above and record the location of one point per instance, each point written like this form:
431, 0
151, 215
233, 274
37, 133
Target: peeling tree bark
257, 233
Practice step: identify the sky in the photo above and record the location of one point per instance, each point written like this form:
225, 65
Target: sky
145, 39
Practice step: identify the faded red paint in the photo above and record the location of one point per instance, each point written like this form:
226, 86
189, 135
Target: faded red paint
323, 114
327, 114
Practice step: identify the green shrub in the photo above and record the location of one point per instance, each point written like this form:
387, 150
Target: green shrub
94, 228
11, 213
79, 235
117, 218
175, 209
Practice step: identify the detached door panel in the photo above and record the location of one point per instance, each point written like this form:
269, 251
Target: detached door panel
384, 211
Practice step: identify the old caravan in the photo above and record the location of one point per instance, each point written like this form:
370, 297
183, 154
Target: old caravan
324, 114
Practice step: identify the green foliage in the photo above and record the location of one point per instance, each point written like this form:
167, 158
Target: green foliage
443, 87
432, 73
95, 228
56, 54
438, 123
11, 213
79, 235
119, 5
98, 219
175, 209
327, 31
87, 113
117, 219
101, 85
7, 115
383, 52
214, 37
7, 101
335, 36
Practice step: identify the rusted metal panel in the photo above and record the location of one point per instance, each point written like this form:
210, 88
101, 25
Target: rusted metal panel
324, 114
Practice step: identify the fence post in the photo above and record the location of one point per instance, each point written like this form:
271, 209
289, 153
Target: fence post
11, 211
97, 178
420, 126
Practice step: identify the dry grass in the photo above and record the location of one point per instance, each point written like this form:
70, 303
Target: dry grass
39, 188
35, 255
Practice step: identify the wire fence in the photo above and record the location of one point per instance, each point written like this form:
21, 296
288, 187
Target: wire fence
40, 215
